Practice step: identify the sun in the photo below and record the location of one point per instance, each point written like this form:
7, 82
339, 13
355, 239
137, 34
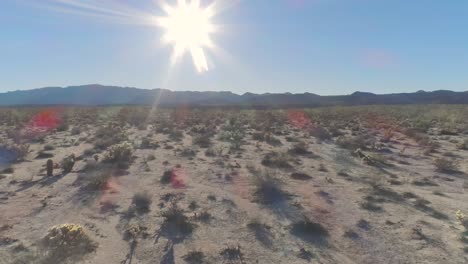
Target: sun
188, 28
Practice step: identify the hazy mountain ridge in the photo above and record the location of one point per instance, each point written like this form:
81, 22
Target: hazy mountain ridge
114, 95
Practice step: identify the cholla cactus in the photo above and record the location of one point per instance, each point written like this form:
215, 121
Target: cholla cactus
66, 240
50, 167
68, 163
120, 154
462, 218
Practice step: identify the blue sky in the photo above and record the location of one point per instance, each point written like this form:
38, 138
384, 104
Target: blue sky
319, 46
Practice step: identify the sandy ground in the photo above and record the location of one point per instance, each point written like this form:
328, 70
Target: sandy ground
402, 231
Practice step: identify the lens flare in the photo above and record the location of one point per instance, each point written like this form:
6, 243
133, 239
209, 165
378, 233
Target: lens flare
188, 28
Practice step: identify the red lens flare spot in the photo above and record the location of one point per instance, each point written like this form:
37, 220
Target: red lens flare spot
178, 177
48, 119
299, 119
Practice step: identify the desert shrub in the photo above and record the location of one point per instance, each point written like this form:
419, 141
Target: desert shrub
194, 257
308, 230
267, 188
266, 137
214, 152
44, 155
120, 154
150, 157
176, 135
277, 160
176, 222
188, 152
166, 177
233, 133
387, 135
108, 136
75, 130
50, 167
203, 216
300, 176
232, 254
261, 231
353, 143
463, 145
320, 133
48, 147
13, 151
300, 148
67, 242
202, 140
68, 163
147, 143
142, 202
96, 176
446, 165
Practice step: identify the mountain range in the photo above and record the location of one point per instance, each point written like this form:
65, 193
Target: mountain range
90, 95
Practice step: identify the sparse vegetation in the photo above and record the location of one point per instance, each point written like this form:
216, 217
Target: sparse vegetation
267, 180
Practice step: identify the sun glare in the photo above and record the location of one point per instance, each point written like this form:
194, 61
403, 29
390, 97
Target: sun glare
188, 28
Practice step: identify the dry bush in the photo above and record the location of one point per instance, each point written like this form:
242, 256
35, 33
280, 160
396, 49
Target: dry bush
142, 202
446, 165
202, 140
463, 145
320, 133
308, 230
277, 160
352, 143
300, 148
175, 222
13, 151
268, 189
194, 257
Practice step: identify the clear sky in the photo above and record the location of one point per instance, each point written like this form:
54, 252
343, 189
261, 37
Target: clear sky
319, 46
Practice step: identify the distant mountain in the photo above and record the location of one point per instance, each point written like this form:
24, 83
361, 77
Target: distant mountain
113, 95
